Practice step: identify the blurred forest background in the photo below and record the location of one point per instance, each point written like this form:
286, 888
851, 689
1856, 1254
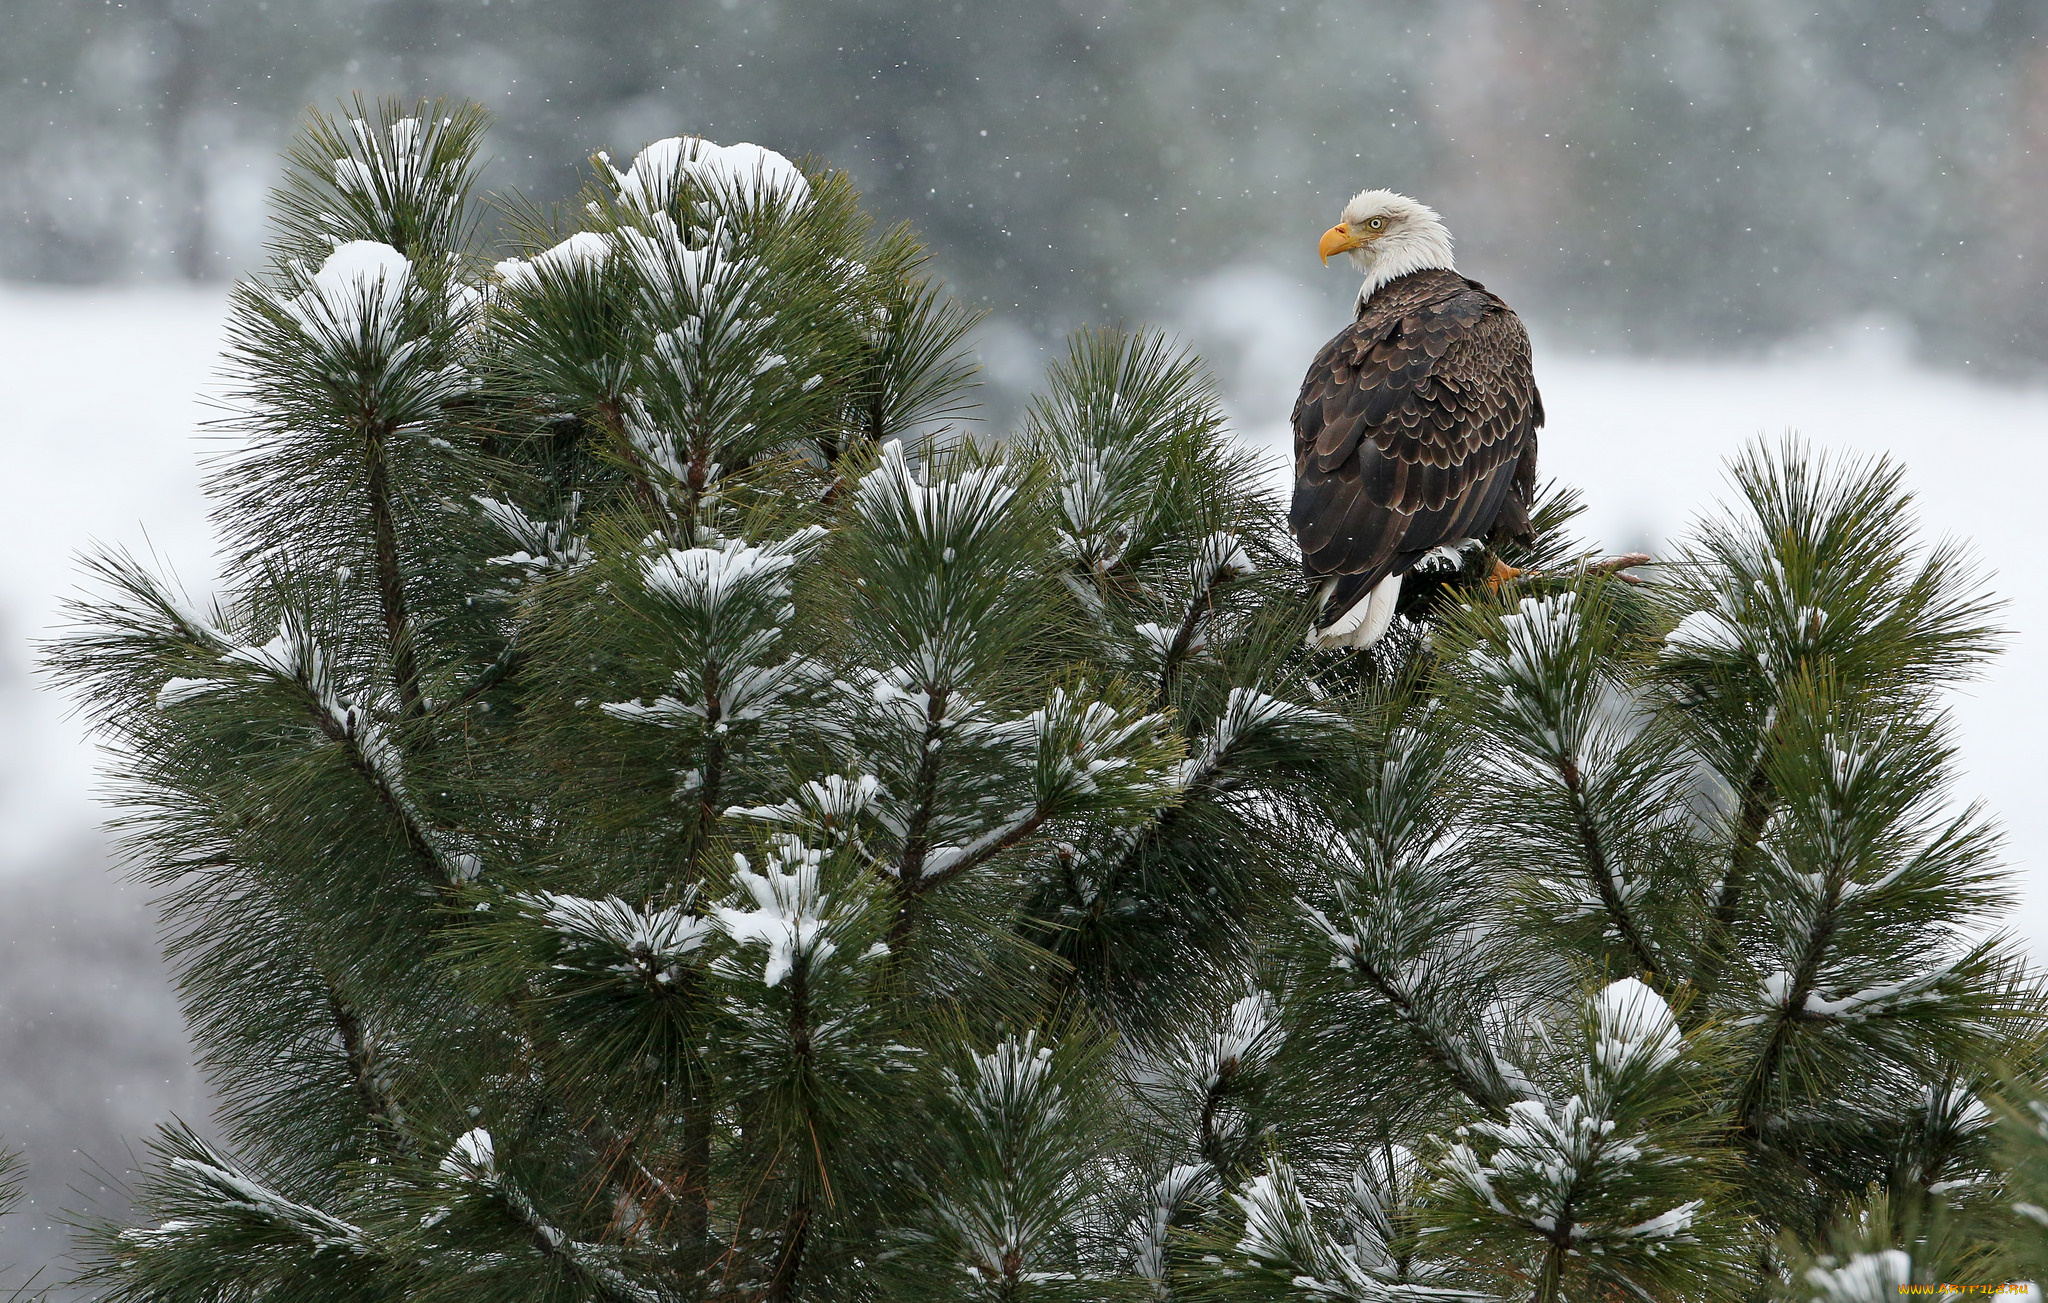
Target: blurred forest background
1667, 175
1646, 180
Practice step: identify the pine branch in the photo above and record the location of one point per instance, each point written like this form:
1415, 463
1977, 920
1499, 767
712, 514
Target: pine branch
623, 1148
581, 1262
1485, 1090
789, 1263
1597, 868
376, 1101
982, 849
917, 832
1758, 801
424, 846
710, 792
294, 662
390, 579
613, 422
1250, 720
1211, 574
498, 671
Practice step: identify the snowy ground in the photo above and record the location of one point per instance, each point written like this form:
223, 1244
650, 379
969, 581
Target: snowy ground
102, 447
100, 443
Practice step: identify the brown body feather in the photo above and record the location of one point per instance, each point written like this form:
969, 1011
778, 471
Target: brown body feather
1416, 428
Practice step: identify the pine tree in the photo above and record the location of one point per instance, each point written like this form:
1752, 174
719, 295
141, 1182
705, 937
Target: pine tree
2025, 1143
11, 1186
662, 810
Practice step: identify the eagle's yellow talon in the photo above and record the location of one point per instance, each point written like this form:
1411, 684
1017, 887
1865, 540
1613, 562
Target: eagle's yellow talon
1502, 573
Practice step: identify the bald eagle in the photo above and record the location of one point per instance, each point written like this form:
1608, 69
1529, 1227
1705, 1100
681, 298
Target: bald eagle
1415, 432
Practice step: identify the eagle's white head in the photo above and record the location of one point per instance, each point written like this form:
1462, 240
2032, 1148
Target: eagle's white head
1388, 235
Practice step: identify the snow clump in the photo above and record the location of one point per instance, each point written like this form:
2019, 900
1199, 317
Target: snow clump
357, 292
1635, 1027
743, 174
582, 254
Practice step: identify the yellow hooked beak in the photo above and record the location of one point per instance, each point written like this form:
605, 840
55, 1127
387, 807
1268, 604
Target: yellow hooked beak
1338, 239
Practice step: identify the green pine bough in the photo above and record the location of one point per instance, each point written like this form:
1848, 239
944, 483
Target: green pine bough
659, 809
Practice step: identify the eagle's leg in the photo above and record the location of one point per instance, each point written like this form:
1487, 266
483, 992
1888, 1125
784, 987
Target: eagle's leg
1502, 573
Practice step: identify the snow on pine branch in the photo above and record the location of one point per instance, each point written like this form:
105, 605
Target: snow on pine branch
1249, 1038
687, 278
1003, 778
712, 357
1778, 995
706, 581
1547, 690
1157, 642
543, 545
471, 1168
1074, 741
789, 918
295, 659
1096, 518
1007, 1198
1703, 633
923, 523
1635, 1029
743, 175
374, 343
1387, 1184
1425, 989
210, 1194
727, 605
694, 401
1767, 620
1250, 718
1532, 637
1204, 1074
641, 943
1189, 1188
746, 694
474, 1154
401, 176
824, 812
1832, 824
1281, 1235
1862, 1278
1279, 1230
1399, 916
1218, 559
1546, 1159
580, 257
1568, 1170
358, 294
896, 698
1062, 751
1011, 1091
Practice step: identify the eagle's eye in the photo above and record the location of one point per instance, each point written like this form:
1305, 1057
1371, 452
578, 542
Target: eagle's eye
1377, 223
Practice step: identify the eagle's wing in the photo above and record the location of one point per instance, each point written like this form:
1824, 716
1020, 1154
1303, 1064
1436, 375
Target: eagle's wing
1409, 434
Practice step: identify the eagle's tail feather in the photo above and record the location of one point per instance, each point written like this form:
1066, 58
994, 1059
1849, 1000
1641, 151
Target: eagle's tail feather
1365, 622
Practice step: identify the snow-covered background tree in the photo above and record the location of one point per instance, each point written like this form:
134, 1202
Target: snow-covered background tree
661, 809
